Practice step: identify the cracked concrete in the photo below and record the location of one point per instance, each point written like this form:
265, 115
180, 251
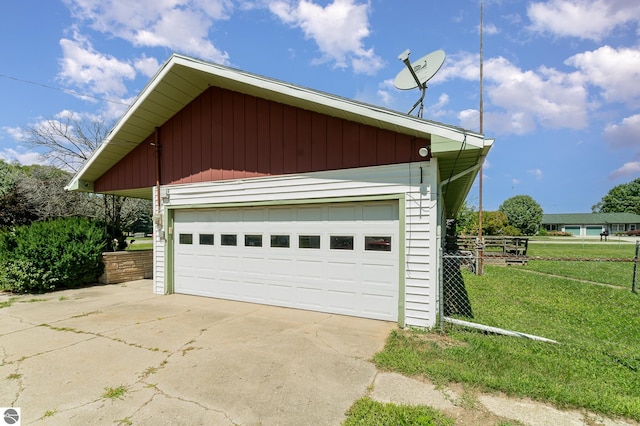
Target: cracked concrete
186, 360
181, 360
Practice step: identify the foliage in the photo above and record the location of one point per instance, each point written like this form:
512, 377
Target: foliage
523, 212
137, 216
367, 412
493, 222
51, 255
623, 198
467, 220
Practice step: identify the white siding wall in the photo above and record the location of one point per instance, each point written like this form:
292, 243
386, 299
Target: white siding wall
159, 260
417, 181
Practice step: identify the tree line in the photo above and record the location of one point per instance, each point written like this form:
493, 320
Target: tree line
36, 193
522, 215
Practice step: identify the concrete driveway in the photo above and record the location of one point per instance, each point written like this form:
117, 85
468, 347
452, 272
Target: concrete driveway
179, 359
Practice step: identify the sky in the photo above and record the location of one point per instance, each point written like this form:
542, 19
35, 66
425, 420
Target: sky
561, 86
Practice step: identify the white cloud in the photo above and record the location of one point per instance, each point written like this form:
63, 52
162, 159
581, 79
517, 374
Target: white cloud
91, 71
338, 29
625, 134
537, 173
147, 66
386, 92
181, 25
631, 169
22, 156
615, 71
489, 29
525, 98
585, 19
15, 133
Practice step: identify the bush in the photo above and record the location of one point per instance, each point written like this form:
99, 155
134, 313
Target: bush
52, 255
511, 231
634, 233
559, 234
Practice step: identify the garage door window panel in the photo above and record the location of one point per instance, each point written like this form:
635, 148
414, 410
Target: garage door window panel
185, 238
309, 241
341, 242
206, 239
253, 240
377, 243
281, 241
229, 240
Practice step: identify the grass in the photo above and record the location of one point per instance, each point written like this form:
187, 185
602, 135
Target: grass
142, 243
586, 251
367, 412
115, 393
596, 366
8, 302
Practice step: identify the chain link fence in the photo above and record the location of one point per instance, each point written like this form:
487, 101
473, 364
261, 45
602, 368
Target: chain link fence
589, 302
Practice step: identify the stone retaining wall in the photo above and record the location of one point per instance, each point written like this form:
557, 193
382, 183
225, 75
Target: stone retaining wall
121, 266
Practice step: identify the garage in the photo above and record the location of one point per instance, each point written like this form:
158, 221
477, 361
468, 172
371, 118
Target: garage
573, 230
341, 258
593, 231
277, 194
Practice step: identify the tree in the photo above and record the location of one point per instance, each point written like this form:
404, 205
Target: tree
523, 213
493, 222
15, 209
43, 188
467, 220
623, 198
68, 141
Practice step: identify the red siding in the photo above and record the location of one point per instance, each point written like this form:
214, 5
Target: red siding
227, 135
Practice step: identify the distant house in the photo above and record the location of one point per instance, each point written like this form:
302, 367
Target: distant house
591, 224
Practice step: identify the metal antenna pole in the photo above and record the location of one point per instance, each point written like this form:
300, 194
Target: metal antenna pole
480, 269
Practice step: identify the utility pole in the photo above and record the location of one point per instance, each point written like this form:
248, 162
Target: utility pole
480, 268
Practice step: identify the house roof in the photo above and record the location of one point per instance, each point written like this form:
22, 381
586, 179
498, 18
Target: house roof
181, 79
589, 218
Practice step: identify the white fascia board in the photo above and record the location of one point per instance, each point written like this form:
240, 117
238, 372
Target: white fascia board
74, 184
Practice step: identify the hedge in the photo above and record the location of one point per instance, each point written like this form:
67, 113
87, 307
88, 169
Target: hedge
51, 255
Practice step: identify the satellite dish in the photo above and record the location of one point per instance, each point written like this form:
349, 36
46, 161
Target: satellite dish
418, 73
424, 69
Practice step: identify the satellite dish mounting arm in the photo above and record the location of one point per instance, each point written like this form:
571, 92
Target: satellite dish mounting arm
404, 57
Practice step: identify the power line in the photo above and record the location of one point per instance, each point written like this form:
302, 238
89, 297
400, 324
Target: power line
67, 91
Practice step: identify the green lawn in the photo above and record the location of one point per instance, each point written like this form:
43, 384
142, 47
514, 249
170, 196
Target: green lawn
144, 243
595, 366
596, 250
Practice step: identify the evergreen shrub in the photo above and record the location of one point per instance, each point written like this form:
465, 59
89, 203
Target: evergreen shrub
51, 255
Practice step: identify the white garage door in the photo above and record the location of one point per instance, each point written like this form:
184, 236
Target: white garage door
341, 258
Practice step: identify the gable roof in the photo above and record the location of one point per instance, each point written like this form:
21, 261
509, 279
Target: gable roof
181, 79
589, 218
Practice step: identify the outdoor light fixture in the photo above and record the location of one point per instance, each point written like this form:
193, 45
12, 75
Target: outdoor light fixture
424, 151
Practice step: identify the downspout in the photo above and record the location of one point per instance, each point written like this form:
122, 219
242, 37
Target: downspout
157, 216
156, 143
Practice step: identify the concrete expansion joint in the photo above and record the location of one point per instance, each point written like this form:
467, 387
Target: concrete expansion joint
372, 385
